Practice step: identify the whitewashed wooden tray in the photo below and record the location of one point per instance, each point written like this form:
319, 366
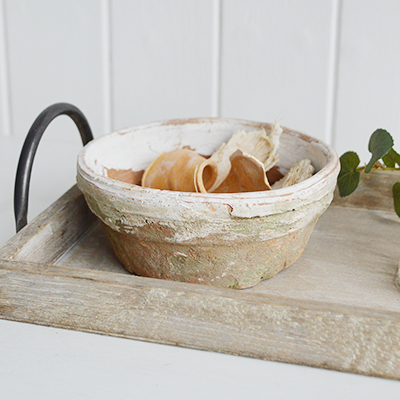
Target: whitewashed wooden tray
337, 307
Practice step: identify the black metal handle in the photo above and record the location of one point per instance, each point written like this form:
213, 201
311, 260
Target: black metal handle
22, 180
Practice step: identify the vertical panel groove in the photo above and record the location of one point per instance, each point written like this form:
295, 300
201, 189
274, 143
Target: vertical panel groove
107, 66
4, 73
216, 60
333, 72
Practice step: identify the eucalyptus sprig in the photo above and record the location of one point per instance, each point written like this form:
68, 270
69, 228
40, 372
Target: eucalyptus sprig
381, 148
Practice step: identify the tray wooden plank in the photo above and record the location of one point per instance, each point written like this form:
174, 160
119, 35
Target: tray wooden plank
338, 307
52, 232
337, 266
314, 333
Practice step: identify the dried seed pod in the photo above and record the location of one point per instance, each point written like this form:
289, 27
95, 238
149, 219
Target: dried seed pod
182, 170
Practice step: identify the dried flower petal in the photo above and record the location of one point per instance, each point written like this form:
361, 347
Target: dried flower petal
257, 144
247, 174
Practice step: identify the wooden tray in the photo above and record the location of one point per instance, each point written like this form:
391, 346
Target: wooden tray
338, 307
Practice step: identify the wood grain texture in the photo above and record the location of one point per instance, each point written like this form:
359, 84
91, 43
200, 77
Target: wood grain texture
347, 338
335, 267
47, 183
93, 251
374, 192
337, 307
330, 259
52, 232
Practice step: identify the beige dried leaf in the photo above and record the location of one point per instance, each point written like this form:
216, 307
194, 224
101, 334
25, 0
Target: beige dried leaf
297, 173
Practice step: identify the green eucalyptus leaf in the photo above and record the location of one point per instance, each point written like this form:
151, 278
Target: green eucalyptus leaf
391, 158
349, 162
396, 197
395, 156
388, 160
379, 144
349, 177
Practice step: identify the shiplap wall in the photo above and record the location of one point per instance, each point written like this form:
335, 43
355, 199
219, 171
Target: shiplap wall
329, 68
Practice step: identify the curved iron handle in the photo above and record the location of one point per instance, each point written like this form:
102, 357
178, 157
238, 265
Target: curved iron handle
22, 180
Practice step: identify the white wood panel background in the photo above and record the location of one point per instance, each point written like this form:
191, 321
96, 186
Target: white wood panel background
161, 59
275, 62
328, 68
368, 90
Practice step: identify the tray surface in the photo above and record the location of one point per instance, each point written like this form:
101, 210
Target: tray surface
347, 248
337, 307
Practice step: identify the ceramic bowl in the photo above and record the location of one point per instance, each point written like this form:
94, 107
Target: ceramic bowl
229, 240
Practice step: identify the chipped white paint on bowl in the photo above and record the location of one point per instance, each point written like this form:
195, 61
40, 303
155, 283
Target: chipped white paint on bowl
230, 240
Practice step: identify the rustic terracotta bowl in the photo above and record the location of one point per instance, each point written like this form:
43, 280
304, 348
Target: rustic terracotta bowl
228, 240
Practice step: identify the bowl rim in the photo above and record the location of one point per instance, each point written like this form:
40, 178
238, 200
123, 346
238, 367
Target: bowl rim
316, 182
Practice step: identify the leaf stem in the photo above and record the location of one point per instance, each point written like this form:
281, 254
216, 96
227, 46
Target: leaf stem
380, 169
